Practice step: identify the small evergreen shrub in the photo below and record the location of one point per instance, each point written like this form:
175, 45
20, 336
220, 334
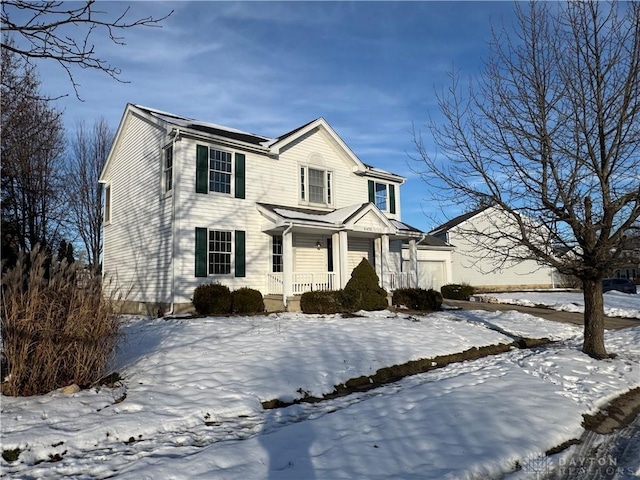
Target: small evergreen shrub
324, 301
363, 291
457, 291
418, 299
212, 298
247, 300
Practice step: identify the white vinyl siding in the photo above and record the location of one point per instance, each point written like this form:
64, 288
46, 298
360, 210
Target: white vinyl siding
307, 256
359, 248
137, 243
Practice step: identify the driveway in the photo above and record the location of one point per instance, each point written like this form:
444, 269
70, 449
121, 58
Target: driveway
610, 323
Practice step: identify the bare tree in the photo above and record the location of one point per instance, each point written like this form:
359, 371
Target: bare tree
89, 151
32, 148
64, 32
550, 134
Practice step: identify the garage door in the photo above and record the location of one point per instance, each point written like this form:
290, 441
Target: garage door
431, 274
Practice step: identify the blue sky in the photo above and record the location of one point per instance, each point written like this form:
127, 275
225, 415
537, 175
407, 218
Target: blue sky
371, 69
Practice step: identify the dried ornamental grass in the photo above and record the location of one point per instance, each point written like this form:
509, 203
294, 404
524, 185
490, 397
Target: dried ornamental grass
57, 329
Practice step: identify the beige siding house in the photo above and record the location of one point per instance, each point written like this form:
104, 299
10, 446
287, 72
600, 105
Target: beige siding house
190, 202
479, 260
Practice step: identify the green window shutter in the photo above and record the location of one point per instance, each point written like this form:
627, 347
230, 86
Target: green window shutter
240, 175
201, 252
372, 192
202, 169
392, 198
240, 261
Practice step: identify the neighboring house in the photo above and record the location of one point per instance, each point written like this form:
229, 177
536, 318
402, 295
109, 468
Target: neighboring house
188, 202
476, 264
630, 267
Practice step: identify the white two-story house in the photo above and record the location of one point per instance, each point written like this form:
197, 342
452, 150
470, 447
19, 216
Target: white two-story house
188, 202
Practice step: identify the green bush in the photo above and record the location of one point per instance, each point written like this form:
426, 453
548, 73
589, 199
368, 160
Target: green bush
55, 331
212, 298
457, 291
363, 291
247, 300
321, 302
418, 299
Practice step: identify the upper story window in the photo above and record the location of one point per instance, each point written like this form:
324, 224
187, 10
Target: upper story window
220, 171
107, 203
316, 185
167, 169
381, 196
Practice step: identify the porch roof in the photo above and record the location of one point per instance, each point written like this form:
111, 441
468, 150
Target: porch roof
282, 216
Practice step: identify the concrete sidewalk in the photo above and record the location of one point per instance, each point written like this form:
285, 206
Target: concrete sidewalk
610, 323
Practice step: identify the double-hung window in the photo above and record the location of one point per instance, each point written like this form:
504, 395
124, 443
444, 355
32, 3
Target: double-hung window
167, 169
276, 264
219, 171
219, 252
381, 196
316, 185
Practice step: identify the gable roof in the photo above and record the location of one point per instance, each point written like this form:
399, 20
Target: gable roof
284, 215
456, 221
250, 141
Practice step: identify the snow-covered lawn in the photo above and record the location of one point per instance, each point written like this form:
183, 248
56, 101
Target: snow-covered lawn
190, 403
616, 304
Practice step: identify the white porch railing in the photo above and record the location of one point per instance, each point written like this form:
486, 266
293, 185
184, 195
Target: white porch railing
313, 281
399, 280
274, 284
302, 282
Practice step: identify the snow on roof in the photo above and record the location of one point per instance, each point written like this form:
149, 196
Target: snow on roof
207, 127
334, 217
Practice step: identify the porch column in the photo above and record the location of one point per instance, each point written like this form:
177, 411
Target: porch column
343, 258
287, 265
413, 263
377, 259
335, 242
384, 264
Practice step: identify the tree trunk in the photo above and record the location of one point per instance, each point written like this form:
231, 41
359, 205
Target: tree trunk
593, 319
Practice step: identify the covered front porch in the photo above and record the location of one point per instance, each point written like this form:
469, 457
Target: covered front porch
314, 250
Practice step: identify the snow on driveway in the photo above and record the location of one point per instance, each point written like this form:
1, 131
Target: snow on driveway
190, 405
616, 304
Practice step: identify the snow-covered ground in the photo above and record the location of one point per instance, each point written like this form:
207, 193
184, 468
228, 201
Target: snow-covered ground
190, 403
616, 304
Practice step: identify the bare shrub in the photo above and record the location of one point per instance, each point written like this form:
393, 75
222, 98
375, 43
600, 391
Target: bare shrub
57, 328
